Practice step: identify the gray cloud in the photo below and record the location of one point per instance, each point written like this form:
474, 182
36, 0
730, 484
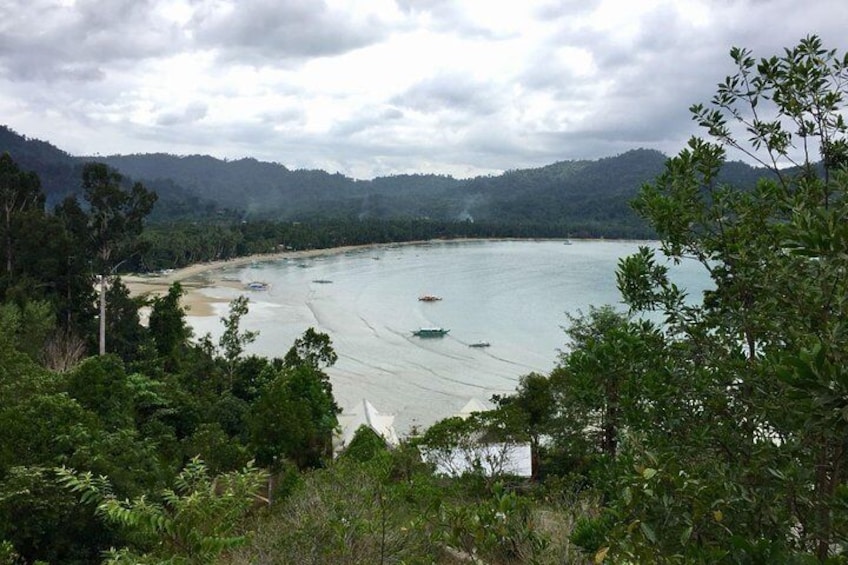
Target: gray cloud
288, 117
372, 121
566, 9
269, 31
448, 16
93, 76
191, 113
43, 41
450, 92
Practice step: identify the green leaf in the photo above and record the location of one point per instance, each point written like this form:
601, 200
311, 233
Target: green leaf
685, 535
648, 532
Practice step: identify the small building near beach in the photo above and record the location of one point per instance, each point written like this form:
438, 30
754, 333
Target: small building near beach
364, 414
490, 459
472, 406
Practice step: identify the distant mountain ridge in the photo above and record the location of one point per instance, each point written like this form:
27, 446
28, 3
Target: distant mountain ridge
583, 192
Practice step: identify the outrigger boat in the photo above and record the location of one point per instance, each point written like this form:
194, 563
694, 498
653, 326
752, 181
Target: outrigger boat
429, 298
430, 332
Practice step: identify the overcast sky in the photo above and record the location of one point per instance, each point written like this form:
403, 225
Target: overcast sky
377, 87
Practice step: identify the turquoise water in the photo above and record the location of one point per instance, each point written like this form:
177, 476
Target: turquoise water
511, 294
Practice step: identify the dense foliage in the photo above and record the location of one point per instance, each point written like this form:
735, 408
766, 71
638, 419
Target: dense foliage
177, 245
719, 434
102, 451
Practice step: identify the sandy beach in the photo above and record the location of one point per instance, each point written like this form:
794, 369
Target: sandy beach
205, 275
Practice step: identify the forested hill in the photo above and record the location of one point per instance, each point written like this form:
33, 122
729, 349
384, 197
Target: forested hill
591, 191
61, 175
591, 195
58, 170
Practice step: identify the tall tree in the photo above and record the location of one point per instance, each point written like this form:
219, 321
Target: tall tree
113, 220
296, 413
294, 420
20, 192
314, 349
234, 340
530, 409
614, 361
167, 324
74, 284
129, 339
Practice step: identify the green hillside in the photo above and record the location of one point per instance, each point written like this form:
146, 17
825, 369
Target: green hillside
585, 197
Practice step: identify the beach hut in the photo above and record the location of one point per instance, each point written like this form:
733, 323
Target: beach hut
474, 454
472, 406
364, 414
489, 458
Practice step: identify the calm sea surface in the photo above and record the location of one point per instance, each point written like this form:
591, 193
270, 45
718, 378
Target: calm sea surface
512, 294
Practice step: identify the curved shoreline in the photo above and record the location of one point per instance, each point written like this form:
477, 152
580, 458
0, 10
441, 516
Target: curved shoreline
198, 276
194, 278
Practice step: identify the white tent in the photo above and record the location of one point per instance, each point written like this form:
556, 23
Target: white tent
364, 414
473, 405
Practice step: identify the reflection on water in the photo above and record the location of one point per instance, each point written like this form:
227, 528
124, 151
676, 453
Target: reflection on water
513, 295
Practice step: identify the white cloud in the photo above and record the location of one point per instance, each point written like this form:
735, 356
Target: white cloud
373, 87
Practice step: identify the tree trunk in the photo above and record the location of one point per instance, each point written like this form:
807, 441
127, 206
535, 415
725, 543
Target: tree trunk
827, 477
534, 458
9, 255
8, 242
102, 314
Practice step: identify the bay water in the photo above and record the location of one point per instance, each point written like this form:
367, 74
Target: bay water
514, 295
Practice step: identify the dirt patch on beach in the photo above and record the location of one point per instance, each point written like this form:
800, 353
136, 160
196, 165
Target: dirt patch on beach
194, 300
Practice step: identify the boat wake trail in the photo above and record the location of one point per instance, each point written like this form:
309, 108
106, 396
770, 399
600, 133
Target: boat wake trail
510, 362
448, 379
368, 325
320, 320
373, 367
367, 372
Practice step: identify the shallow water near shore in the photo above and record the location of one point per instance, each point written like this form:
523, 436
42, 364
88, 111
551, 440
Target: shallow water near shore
512, 294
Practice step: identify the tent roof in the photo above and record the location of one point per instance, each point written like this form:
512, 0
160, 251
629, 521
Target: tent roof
473, 405
364, 414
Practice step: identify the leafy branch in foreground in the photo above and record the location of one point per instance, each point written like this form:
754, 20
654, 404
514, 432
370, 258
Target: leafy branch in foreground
192, 522
746, 454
